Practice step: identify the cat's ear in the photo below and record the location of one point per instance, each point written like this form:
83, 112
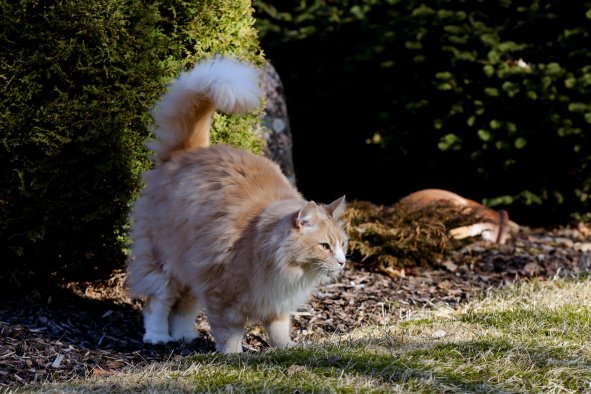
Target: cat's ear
337, 207
305, 215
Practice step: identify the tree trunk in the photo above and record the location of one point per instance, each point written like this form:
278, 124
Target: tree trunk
278, 140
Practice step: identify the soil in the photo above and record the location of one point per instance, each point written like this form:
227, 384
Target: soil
93, 329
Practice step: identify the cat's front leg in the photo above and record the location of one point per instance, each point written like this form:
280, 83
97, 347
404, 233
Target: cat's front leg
228, 339
278, 330
227, 328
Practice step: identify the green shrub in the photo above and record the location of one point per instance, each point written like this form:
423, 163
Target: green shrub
488, 99
79, 79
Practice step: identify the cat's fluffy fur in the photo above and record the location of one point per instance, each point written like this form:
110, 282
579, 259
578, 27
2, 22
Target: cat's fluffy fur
222, 229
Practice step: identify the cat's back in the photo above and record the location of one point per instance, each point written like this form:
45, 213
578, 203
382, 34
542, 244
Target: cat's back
200, 203
218, 178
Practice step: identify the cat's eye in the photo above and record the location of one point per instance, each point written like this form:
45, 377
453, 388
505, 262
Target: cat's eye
325, 246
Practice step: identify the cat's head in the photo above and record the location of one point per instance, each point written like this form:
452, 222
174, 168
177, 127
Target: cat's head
320, 237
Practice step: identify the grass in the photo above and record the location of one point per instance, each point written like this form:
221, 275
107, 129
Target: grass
533, 337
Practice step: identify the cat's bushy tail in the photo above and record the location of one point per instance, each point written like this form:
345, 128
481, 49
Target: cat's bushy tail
183, 115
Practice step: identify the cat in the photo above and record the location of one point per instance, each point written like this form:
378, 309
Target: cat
220, 229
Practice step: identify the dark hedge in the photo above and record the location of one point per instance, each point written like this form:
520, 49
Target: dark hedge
78, 81
490, 99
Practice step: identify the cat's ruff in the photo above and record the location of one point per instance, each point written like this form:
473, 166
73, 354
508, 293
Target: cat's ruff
220, 228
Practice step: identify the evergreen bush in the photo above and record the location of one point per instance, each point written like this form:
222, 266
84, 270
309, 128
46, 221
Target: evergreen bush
79, 79
487, 99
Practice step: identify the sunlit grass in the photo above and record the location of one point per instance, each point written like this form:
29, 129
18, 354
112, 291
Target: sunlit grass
530, 338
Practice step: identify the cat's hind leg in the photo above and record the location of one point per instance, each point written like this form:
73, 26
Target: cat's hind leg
146, 278
156, 313
182, 318
278, 329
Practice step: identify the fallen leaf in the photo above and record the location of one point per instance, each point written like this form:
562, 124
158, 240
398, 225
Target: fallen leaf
97, 372
58, 361
445, 285
583, 246
532, 268
584, 229
393, 273
116, 364
450, 265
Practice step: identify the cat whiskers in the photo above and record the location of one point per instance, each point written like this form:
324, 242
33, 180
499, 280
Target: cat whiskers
321, 270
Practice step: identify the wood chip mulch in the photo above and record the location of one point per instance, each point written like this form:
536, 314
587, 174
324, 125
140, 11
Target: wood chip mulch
93, 329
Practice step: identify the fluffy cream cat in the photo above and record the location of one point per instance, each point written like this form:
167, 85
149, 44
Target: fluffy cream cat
222, 229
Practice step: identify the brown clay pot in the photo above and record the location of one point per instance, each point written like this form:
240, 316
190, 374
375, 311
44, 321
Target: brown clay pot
495, 225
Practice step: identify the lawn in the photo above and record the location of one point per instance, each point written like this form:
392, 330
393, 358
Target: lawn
528, 337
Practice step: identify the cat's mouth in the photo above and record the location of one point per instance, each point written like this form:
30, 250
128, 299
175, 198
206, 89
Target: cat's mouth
334, 268
324, 268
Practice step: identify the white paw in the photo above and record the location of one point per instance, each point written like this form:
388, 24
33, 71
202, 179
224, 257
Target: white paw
185, 336
284, 345
230, 347
157, 338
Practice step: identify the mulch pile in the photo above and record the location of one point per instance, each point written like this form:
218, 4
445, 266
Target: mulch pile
93, 329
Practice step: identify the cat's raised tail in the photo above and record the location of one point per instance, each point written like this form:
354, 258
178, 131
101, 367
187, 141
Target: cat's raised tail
183, 115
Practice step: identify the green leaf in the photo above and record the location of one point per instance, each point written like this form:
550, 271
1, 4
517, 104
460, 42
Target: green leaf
444, 14
494, 56
520, 143
492, 92
413, 45
501, 145
484, 135
489, 39
495, 124
570, 82
530, 198
444, 86
554, 69
445, 75
500, 200
578, 107
511, 88
423, 10
449, 142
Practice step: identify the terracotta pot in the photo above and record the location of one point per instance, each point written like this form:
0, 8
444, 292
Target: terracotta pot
495, 225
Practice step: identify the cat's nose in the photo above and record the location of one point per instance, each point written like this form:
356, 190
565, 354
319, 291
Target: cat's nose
340, 256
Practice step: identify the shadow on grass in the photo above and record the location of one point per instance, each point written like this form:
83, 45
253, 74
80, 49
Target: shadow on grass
482, 365
381, 361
